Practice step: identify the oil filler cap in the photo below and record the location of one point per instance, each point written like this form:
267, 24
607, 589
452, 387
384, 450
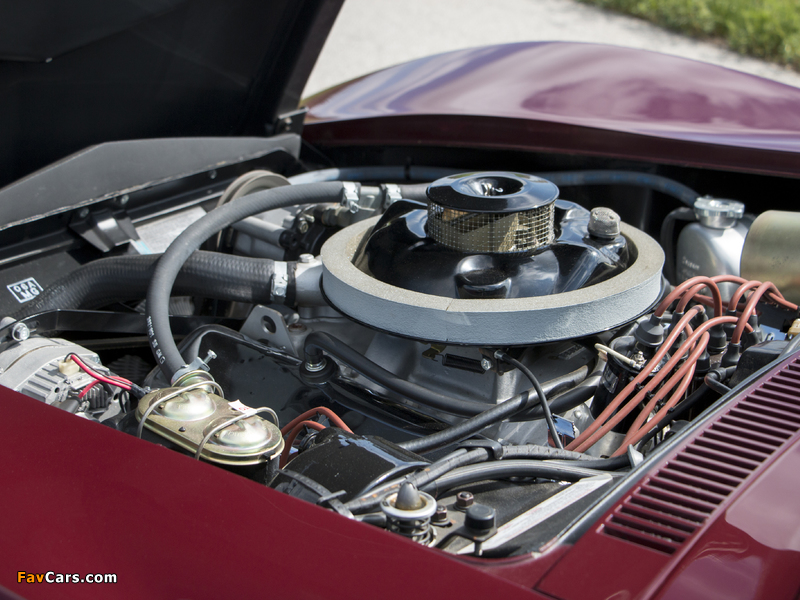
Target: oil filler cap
718, 213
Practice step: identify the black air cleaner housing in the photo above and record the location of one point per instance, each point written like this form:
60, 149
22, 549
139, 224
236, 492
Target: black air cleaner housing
490, 235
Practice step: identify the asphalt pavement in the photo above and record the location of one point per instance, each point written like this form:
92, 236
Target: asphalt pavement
374, 34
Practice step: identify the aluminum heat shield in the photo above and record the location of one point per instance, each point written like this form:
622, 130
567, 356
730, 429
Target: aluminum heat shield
489, 322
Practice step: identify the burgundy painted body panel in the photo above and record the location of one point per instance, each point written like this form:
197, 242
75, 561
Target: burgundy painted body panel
570, 97
748, 549
79, 497
753, 549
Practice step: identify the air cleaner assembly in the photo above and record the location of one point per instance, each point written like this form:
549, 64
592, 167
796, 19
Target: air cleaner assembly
493, 259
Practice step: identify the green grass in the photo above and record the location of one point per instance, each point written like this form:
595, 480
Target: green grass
768, 29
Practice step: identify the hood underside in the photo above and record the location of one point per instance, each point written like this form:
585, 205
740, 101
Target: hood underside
82, 73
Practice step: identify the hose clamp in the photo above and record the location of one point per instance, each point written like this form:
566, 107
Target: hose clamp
280, 281
392, 194
350, 198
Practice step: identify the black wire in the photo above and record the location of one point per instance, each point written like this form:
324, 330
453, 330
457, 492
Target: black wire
459, 458
548, 416
504, 469
560, 404
716, 385
675, 413
683, 213
468, 427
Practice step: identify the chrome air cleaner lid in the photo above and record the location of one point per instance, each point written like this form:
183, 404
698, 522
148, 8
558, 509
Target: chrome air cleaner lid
492, 192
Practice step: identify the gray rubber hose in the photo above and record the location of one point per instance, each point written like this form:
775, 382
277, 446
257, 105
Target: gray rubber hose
169, 265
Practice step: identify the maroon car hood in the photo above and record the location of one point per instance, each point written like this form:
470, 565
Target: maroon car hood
585, 85
79, 497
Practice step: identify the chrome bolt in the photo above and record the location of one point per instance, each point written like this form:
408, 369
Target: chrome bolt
306, 258
20, 332
317, 366
486, 364
303, 226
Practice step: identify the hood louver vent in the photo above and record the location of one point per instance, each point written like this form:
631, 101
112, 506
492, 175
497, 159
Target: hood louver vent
671, 505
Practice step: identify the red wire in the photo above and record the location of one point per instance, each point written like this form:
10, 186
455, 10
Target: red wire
293, 436
119, 382
85, 390
688, 284
608, 412
320, 410
682, 379
583, 442
750, 308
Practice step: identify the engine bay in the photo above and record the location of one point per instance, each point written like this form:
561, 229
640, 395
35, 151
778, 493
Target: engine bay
470, 359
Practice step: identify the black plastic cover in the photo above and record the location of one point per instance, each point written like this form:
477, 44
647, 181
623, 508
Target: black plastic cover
341, 461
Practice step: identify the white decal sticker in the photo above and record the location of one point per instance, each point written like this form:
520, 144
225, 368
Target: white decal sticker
237, 405
25, 290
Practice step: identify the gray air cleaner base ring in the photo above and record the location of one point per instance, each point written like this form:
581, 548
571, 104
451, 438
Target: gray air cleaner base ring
492, 322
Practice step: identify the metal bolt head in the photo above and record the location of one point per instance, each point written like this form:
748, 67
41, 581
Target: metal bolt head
464, 500
302, 226
123, 200
440, 516
604, 223
83, 213
306, 258
212, 174
20, 332
486, 364
181, 429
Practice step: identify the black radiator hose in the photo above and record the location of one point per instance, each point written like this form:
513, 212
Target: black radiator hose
123, 278
166, 271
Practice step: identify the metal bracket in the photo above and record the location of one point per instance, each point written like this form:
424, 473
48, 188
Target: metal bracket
350, 198
290, 122
494, 447
268, 326
103, 228
434, 351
